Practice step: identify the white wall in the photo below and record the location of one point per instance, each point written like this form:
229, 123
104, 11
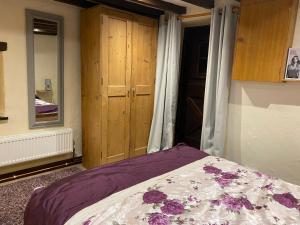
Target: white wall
264, 125
12, 31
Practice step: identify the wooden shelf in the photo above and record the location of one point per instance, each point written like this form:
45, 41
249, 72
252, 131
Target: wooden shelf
3, 118
288, 80
3, 46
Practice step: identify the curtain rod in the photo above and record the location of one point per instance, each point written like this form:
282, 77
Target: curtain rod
234, 9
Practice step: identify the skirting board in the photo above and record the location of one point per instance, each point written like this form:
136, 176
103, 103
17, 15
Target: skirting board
39, 169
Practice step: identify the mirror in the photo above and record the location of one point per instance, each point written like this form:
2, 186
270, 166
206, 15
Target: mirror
44, 34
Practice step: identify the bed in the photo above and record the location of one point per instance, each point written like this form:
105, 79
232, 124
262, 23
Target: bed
179, 186
45, 111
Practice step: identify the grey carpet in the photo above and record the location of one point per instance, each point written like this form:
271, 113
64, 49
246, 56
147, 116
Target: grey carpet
14, 196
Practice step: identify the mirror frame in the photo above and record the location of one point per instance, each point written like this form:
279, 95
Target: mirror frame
30, 15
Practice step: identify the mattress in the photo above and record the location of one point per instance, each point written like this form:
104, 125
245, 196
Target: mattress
57, 203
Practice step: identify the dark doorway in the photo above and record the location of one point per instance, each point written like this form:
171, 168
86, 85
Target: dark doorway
192, 85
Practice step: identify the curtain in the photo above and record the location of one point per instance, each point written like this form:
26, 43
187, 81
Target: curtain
219, 67
166, 84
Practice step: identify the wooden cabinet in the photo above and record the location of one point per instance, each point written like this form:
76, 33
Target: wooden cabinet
265, 32
118, 71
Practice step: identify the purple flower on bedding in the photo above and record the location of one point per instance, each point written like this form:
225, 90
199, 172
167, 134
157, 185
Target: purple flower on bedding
228, 175
248, 205
215, 202
154, 196
87, 222
286, 199
236, 204
259, 174
212, 170
233, 204
191, 198
173, 207
158, 219
268, 187
223, 182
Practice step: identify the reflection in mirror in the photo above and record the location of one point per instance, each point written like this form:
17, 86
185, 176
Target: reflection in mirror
44, 47
45, 68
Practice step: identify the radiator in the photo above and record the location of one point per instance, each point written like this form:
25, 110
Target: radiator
24, 147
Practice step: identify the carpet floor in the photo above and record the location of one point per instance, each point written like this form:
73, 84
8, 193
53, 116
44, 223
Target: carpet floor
15, 195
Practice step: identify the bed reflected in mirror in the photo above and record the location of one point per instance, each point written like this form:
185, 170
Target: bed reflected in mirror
45, 68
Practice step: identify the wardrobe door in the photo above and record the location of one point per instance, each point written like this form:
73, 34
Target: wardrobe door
144, 41
116, 63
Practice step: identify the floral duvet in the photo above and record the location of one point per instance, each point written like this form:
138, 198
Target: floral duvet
210, 191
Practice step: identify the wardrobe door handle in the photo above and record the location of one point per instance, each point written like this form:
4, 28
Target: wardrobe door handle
128, 93
133, 92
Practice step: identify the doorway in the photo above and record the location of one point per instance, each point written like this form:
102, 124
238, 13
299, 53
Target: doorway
192, 85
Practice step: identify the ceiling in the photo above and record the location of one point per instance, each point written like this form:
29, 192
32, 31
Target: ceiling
152, 8
190, 8
187, 3
182, 3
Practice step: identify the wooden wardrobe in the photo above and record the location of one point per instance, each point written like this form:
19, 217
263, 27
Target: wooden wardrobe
118, 52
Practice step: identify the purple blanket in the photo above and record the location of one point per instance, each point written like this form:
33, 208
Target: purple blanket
58, 202
40, 109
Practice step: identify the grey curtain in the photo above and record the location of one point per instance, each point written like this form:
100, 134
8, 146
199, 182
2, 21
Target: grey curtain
166, 84
219, 68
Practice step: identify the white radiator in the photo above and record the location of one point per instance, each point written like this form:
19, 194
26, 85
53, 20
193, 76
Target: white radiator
24, 147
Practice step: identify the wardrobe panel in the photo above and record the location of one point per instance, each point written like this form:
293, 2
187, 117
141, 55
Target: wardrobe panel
142, 82
145, 42
116, 129
116, 75
142, 121
117, 53
90, 87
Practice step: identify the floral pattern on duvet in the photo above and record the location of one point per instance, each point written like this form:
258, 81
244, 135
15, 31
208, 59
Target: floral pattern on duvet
219, 193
